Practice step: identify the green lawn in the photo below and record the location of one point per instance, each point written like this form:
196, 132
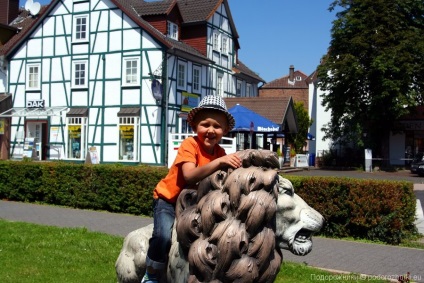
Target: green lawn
42, 254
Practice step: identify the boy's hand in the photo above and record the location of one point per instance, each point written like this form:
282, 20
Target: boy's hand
231, 160
193, 174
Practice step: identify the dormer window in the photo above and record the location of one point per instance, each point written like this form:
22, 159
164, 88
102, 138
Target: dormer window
298, 78
172, 30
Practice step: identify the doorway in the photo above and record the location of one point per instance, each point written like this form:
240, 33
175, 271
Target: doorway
38, 130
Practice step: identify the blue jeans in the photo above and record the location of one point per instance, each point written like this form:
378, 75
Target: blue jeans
160, 242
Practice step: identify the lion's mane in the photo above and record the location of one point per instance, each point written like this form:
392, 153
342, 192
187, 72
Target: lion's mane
226, 227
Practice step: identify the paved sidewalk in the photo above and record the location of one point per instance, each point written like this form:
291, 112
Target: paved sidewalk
372, 259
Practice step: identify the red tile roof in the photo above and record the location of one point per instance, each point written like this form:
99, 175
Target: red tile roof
144, 8
279, 110
284, 82
272, 108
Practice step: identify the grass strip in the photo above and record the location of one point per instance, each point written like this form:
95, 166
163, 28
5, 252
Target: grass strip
32, 253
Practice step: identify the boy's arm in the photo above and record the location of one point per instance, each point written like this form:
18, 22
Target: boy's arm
193, 174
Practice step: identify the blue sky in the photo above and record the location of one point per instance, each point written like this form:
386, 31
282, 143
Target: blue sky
275, 34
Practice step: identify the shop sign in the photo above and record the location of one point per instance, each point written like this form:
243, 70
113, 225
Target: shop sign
35, 103
2, 126
190, 101
127, 131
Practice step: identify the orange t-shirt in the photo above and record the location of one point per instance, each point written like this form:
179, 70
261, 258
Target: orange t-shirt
190, 151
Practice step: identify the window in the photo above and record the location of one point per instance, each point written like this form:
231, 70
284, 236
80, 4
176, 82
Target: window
238, 88
80, 28
80, 74
33, 77
181, 80
219, 85
128, 136
215, 41
131, 72
172, 30
76, 146
224, 48
248, 90
196, 79
185, 127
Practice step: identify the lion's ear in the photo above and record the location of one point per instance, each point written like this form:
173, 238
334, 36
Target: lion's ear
285, 186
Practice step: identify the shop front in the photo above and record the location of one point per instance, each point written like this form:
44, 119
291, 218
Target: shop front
29, 129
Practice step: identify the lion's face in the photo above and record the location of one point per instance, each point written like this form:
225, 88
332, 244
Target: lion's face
296, 221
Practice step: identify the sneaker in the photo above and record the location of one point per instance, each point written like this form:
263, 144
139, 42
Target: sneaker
149, 279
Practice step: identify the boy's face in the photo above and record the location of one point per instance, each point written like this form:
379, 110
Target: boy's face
210, 126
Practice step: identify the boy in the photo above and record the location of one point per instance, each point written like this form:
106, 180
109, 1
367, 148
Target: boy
197, 158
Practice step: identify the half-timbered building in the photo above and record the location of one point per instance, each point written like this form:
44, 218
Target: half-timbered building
113, 78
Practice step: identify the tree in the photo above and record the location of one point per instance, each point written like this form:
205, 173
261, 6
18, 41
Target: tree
373, 72
297, 141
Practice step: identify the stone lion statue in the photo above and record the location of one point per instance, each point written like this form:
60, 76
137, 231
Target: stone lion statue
231, 229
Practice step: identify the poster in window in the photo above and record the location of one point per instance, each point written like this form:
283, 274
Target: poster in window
55, 133
127, 131
74, 131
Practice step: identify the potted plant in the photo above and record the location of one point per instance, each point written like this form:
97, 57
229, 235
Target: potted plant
280, 157
292, 157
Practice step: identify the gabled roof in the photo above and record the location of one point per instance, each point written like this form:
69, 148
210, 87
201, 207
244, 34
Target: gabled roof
164, 7
242, 70
196, 11
284, 82
279, 110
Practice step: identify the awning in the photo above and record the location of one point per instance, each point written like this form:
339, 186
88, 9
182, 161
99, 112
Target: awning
77, 112
32, 112
129, 111
248, 120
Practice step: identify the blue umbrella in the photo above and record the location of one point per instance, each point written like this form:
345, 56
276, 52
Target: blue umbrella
248, 120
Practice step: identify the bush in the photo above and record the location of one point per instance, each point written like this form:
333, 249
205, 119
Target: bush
366, 209
115, 188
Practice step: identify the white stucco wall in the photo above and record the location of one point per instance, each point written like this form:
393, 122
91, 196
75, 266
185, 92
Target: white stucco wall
320, 119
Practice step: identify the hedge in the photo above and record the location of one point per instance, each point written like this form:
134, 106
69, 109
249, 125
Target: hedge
366, 209
114, 188
361, 208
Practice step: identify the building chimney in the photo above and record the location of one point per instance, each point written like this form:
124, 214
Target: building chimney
291, 73
9, 11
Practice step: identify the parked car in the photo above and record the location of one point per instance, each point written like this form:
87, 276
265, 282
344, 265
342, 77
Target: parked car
417, 165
